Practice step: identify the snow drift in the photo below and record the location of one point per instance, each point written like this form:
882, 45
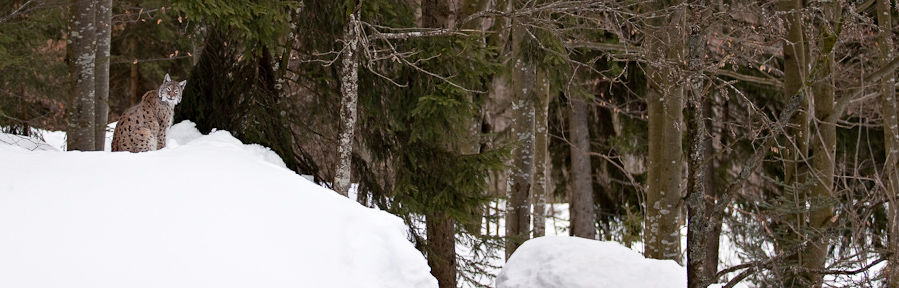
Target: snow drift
572, 262
206, 211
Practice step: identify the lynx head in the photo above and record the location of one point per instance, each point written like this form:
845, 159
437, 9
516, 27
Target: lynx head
170, 91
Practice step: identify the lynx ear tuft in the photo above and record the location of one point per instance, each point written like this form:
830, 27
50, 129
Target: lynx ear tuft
182, 84
167, 78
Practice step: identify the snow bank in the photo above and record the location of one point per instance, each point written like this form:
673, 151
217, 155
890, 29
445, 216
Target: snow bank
206, 211
572, 262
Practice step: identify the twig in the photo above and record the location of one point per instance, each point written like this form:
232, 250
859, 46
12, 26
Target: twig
135, 61
21, 9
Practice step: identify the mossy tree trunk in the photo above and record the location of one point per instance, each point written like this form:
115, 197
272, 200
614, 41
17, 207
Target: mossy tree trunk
81, 55
520, 181
665, 105
699, 226
349, 88
541, 141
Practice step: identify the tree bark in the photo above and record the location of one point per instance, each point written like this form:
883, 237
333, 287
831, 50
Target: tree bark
823, 145
661, 234
349, 88
699, 227
472, 144
520, 181
581, 206
135, 75
104, 32
441, 248
440, 227
662, 229
891, 139
541, 139
81, 56
796, 152
714, 223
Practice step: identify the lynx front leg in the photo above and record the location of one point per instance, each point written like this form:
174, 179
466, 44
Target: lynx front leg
160, 139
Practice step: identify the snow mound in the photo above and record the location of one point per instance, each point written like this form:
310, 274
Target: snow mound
206, 211
572, 262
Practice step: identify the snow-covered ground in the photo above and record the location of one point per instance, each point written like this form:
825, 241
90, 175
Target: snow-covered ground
210, 211
206, 211
572, 262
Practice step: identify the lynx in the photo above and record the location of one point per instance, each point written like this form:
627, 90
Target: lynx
143, 127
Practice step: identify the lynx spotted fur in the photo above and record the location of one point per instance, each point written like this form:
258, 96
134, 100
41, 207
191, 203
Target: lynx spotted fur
143, 127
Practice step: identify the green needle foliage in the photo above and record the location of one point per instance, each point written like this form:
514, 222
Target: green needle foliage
233, 86
33, 77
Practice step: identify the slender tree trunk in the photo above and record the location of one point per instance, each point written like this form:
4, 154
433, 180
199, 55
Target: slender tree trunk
134, 79
699, 226
441, 248
891, 139
518, 212
472, 145
135, 73
714, 225
581, 206
661, 234
81, 56
541, 171
104, 21
665, 105
440, 227
795, 155
349, 88
26, 127
824, 144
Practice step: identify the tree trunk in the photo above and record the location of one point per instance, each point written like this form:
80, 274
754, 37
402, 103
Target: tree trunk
581, 206
472, 144
796, 152
664, 99
81, 56
349, 88
714, 225
541, 140
135, 73
662, 229
891, 140
440, 227
520, 181
824, 146
441, 248
699, 226
104, 21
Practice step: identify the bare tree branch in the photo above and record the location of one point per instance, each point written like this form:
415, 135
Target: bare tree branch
756, 159
743, 77
844, 101
29, 6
